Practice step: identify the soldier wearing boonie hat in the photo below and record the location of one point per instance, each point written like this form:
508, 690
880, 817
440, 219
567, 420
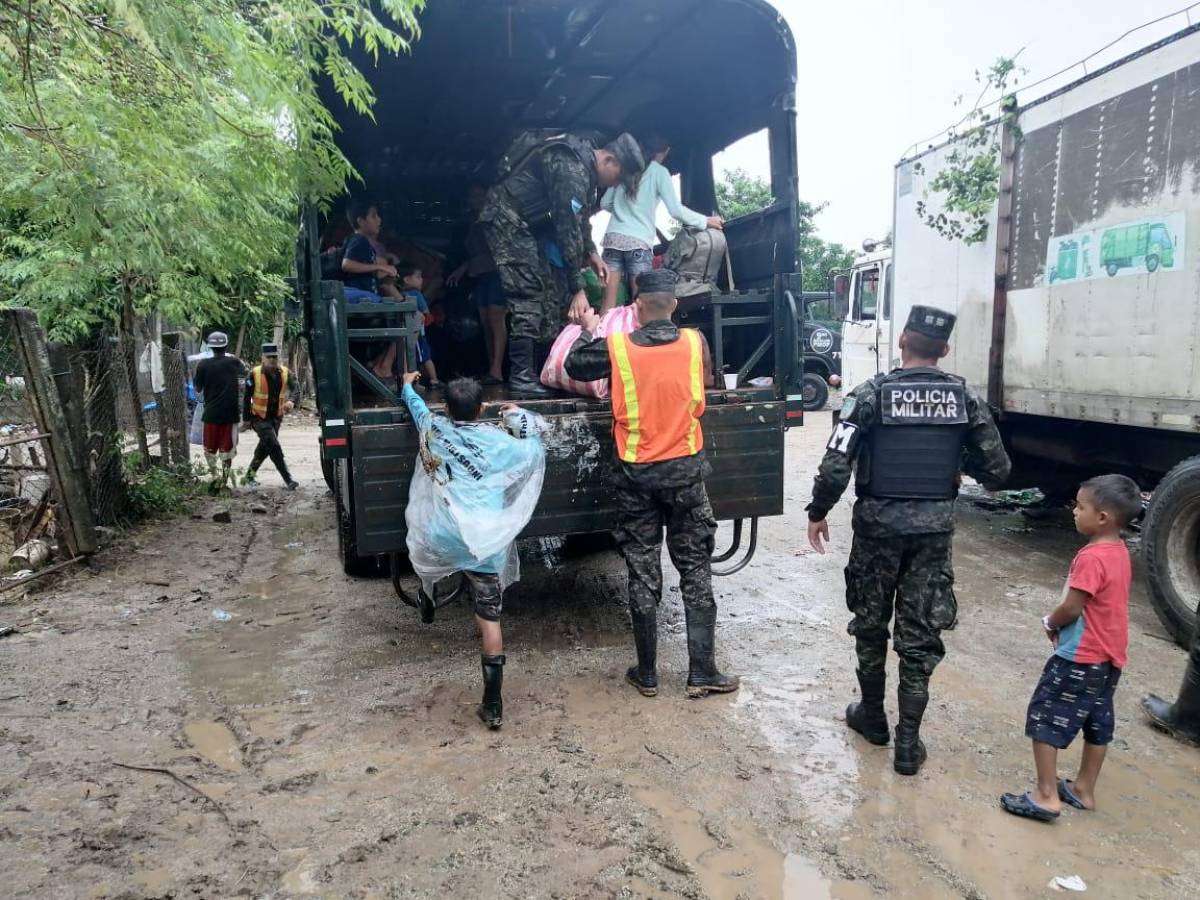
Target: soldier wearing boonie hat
907, 435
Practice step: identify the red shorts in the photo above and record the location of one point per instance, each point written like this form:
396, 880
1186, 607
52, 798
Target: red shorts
219, 438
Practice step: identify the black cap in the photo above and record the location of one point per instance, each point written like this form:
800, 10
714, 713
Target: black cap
270, 349
931, 322
629, 154
656, 281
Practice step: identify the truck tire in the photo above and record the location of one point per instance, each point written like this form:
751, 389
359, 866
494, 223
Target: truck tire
1151, 262
1171, 552
328, 472
352, 564
814, 391
1112, 269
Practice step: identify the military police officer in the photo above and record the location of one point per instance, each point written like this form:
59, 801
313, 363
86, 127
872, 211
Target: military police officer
659, 373
909, 434
549, 187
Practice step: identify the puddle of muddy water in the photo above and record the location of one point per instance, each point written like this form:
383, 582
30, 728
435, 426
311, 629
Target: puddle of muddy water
216, 743
818, 750
736, 863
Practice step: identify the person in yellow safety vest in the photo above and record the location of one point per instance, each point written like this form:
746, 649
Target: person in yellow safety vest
268, 398
659, 374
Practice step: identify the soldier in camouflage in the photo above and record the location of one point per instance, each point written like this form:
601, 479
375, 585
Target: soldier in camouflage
909, 435
667, 490
549, 192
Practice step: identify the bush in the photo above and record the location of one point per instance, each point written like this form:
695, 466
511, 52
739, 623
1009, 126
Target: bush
159, 491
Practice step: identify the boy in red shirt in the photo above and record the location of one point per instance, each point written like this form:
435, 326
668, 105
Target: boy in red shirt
1090, 633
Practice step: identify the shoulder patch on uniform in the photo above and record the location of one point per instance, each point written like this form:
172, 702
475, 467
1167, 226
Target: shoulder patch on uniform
843, 438
848, 407
576, 206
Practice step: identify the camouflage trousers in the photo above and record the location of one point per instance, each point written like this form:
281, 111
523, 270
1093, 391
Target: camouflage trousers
910, 577
691, 532
534, 290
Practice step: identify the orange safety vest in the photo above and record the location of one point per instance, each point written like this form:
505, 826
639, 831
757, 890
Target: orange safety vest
657, 397
258, 400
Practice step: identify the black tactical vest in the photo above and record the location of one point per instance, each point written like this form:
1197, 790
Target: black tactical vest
521, 170
915, 444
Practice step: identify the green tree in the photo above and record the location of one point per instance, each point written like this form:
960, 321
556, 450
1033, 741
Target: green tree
153, 153
740, 193
969, 178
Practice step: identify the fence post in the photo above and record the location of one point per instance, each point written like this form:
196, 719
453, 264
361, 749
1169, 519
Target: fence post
66, 470
173, 422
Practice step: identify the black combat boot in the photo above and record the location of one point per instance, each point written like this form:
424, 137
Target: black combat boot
290, 482
523, 373
867, 717
491, 710
644, 675
910, 751
1180, 719
703, 677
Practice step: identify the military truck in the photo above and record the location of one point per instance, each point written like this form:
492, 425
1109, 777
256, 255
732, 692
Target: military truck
820, 353
480, 73
1077, 315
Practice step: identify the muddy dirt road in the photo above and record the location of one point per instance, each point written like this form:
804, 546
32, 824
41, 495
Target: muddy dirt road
321, 741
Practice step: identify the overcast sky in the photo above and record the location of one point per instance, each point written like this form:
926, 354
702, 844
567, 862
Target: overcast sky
877, 76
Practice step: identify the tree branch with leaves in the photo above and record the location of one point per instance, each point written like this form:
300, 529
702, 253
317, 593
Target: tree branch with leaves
968, 181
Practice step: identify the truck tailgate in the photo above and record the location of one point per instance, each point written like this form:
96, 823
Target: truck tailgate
743, 441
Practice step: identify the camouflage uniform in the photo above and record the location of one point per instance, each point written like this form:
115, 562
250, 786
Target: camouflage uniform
900, 560
534, 289
650, 496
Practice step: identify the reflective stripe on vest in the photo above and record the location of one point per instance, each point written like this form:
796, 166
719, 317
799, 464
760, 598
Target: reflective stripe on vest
262, 390
657, 397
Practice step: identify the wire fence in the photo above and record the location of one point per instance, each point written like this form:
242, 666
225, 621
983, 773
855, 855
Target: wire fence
24, 481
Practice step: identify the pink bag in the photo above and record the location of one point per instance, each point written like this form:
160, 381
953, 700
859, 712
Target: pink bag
623, 319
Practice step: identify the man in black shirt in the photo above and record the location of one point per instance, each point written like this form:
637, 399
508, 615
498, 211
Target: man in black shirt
268, 398
217, 381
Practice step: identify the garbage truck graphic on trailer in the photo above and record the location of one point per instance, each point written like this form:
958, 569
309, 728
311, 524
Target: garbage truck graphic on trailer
1077, 313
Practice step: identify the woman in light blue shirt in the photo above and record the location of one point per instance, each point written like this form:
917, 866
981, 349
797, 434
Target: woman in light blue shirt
631, 234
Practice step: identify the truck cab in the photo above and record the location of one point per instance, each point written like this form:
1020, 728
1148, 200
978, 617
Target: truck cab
481, 73
867, 330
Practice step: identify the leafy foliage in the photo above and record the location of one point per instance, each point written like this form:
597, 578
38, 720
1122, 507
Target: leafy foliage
818, 258
740, 193
969, 179
159, 491
156, 151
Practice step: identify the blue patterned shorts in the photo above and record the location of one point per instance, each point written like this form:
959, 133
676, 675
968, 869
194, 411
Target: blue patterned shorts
1071, 697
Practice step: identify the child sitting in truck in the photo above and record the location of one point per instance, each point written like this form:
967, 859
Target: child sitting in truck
1090, 634
412, 281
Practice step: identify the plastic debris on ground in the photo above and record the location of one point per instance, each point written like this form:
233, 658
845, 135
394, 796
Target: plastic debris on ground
1067, 883
295, 545
221, 616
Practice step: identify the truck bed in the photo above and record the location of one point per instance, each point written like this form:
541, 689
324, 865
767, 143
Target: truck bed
743, 437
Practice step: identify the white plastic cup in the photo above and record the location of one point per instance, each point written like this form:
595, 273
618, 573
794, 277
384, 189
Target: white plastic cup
731, 381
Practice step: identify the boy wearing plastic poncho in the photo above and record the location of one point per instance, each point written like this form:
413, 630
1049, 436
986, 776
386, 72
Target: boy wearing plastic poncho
474, 489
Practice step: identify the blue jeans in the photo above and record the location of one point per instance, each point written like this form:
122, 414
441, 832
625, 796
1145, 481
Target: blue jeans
628, 262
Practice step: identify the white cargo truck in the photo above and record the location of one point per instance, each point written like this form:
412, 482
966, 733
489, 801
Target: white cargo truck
1079, 315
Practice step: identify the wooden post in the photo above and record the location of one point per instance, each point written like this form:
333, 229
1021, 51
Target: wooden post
68, 477
173, 419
